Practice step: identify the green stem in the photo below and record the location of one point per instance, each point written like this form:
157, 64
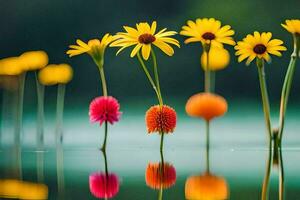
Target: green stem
207, 146
156, 77
265, 187
103, 148
40, 167
60, 171
103, 80
161, 142
207, 75
40, 112
286, 88
264, 95
105, 162
160, 193
59, 112
281, 175
19, 109
148, 76
212, 81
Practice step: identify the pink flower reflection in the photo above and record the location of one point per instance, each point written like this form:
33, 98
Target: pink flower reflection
104, 186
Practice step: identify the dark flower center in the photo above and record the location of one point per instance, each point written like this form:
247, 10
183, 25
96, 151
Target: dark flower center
260, 49
208, 36
146, 38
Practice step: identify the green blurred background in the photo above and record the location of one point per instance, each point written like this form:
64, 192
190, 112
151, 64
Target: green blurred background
53, 25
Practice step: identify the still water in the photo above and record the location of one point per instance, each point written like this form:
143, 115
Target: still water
233, 168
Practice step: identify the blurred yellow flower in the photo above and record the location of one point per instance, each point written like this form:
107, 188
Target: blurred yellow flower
258, 46
218, 59
292, 26
206, 187
143, 36
208, 31
11, 66
34, 60
55, 74
94, 47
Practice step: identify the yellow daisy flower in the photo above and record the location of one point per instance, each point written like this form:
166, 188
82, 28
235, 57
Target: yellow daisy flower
143, 37
94, 47
208, 31
258, 46
292, 26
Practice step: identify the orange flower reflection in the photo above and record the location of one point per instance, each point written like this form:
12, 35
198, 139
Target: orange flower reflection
206, 187
160, 175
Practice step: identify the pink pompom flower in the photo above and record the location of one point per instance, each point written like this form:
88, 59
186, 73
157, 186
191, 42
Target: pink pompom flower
105, 109
104, 186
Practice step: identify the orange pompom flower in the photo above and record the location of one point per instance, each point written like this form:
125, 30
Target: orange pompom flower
206, 187
206, 105
161, 119
160, 175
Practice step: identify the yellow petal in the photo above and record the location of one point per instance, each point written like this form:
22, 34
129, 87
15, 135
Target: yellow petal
135, 50
146, 51
167, 49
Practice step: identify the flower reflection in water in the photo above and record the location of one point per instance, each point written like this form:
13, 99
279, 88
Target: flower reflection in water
274, 161
104, 184
206, 186
160, 176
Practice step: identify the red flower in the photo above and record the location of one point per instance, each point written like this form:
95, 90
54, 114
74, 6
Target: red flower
161, 119
157, 178
104, 109
104, 186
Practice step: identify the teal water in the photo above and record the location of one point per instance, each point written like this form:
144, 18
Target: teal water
238, 153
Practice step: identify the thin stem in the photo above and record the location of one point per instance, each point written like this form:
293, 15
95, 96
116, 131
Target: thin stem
105, 162
281, 175
265, 187
103, 148
156, 77
103, 80
207, 146
59, 112
161, 142
212, 81
160, 193
207, 75
40, 112
40, 167
19, 109
148, 76
60, 171
286, 88
264, 95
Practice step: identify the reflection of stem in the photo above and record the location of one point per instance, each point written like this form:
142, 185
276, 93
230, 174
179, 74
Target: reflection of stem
207, 146
60, 170
59, 112
162, 171
286, 88
281, 174
105, 162
18, 125
106, 168
40, 113
40, 167
264, 194
160, 193
264, 95
19, 111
